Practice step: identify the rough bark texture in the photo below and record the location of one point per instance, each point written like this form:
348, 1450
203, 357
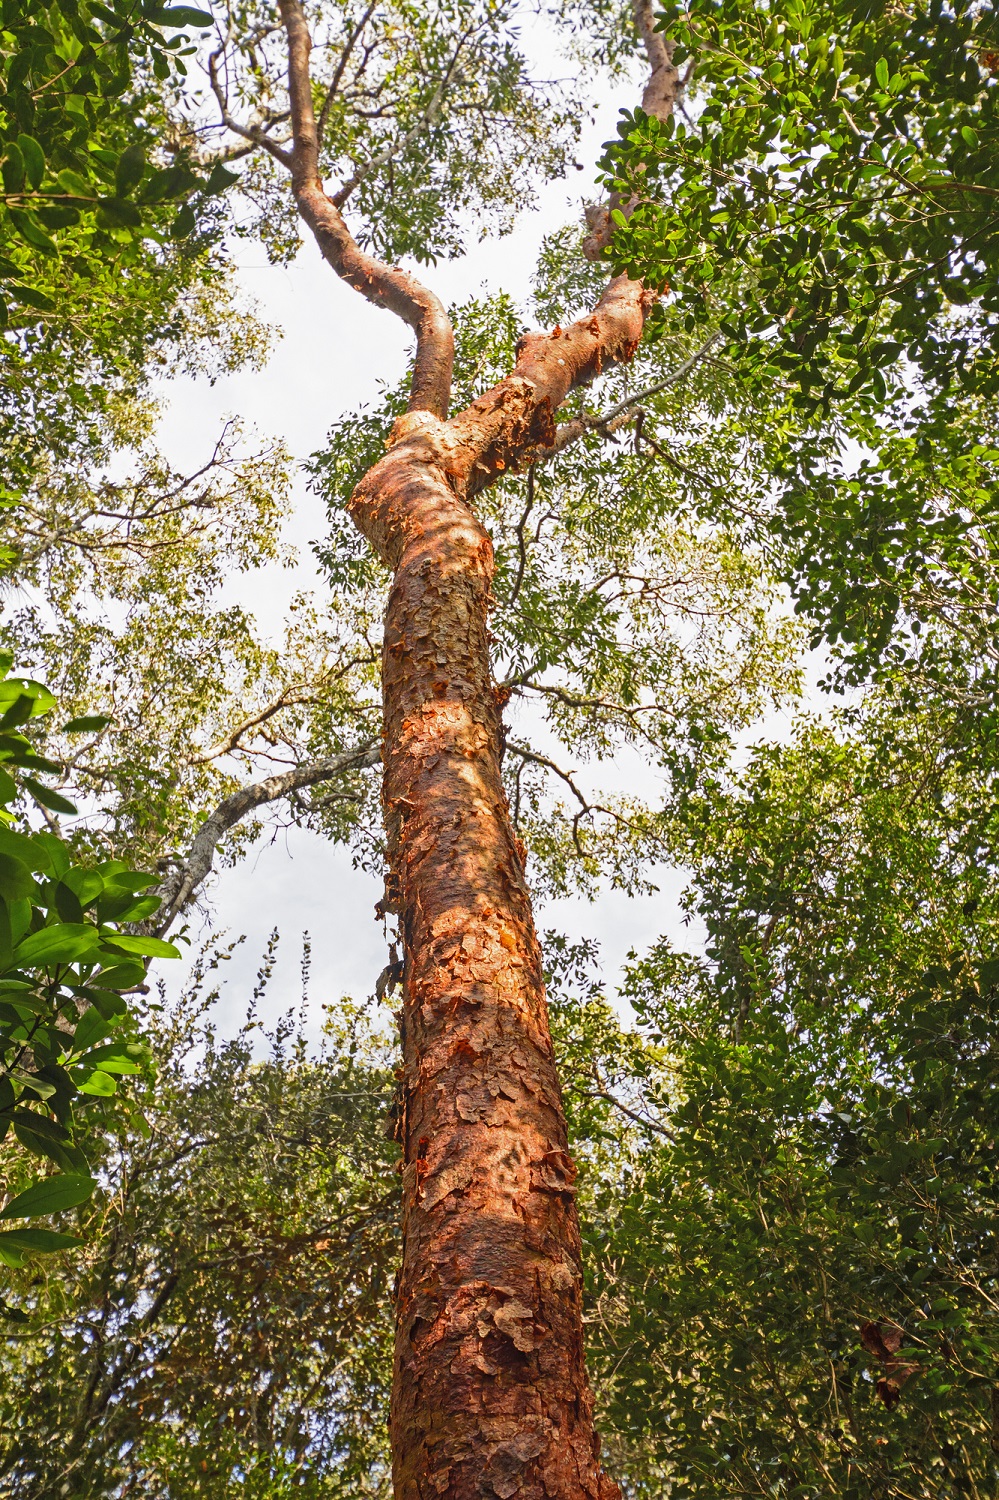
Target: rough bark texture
490, 1394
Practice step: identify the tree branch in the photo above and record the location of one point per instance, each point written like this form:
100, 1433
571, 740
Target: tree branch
297, 692
254, 133
383, 285
338, 72
392, 152
178, 890
608, 422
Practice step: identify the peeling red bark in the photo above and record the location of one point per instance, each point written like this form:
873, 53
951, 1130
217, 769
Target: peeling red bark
490, 1395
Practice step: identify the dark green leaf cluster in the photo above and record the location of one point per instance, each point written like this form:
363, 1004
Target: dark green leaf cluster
66, 1034
846, 155
75, 177
794, 1273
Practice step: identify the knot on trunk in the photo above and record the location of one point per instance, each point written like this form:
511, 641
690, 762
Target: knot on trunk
409, 423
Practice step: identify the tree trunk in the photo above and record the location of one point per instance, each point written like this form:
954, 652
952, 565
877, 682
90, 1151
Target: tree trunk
490, 1395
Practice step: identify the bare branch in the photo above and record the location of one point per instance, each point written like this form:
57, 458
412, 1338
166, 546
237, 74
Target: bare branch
603, 1092
180, 887
608, 422
257, 134
294, 693
391, 152
324, 113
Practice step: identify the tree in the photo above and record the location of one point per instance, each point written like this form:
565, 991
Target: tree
844, 157
490, 1389
221, 1331
490, 1392
793, 1287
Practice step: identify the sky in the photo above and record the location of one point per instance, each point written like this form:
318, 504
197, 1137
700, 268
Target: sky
333, 352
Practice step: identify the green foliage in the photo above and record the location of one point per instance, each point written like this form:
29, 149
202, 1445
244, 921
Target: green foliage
791, 1234
622, 624
226, 1329
67, 1037
843, 157
429, 113
846, 155
74, 184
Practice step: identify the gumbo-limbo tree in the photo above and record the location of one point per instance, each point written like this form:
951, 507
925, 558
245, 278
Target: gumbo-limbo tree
490, 1394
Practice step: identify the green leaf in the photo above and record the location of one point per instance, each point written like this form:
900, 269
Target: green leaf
15, 688
92, 1030
34, 159
116, 213
28, 848
31, 231
108, 1003
85, 884
50, 1196
45, 1138
169, 182
881, 72
183, 224
63, 944
128, 173
16, 879
116, 977
39, 1241
101, 1085
78, 186
59, 860
67, 903
31, 297
138, 911
220, 178
969, 135
147, 947
115, 1058
6, 937
179, 15
46, 797
86, 724
13, 168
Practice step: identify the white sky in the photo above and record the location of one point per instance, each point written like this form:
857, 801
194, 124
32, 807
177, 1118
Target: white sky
334, 350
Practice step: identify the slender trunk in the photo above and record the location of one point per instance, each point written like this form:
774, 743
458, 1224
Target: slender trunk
490, 1396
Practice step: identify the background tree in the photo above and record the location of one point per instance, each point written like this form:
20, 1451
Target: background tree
793, 1287
221, 1330
845, 157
